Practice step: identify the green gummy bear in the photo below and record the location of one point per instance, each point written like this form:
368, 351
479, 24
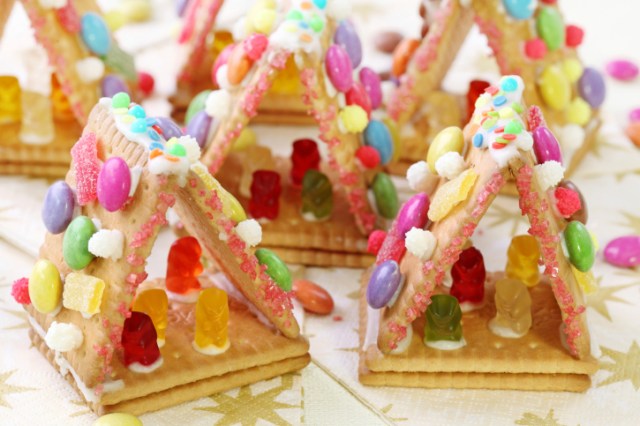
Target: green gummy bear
443, 319
317, 194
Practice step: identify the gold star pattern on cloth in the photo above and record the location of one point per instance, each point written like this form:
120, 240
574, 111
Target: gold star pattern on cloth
624, 366
530, 419
632, 222
251, 404
7, 389
509, 213
597, 301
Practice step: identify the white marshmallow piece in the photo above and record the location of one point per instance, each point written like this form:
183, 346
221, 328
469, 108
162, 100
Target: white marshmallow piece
417, 174
450, 165
549, 174
90, 69
63, 337
250, 231
218, 104
107, 243
192, 148
420, 243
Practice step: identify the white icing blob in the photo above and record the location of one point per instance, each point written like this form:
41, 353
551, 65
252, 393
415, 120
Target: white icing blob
90, 69
417, 174
549, 174
136, 367
63, 337
373, 324
447, 345
211, 349
250, 231
160, 165
420, 243
192, 148
506, 332
107, 243
218, 104
136, 172
450, 165
222, 78
339, 9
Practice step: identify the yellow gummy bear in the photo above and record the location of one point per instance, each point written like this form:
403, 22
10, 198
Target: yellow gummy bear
45, 286
579, 112
212, 317
451, 194
522, 260
82, 293
288, 80
353, 118
155, 304
118, 419
554, 87
246, 139
10, 105
513, 307
585, 280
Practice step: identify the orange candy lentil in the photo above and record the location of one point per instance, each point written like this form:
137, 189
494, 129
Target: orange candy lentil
313, 298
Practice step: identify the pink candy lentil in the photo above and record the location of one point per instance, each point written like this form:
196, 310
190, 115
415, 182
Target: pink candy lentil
622, 69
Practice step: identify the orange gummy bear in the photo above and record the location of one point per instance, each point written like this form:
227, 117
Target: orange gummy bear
155, 304
183, 266
212, 316
61, 106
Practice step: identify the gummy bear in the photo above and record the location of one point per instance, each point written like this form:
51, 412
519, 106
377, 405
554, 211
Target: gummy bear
256, 158
443, 320
317, 195
305, 156
212, 317
265, 194
513, 309
183, 266
288, 80
468, 275
139, 340
37, 118
10, 107
155, 304
476, 88
522, 260
61, 107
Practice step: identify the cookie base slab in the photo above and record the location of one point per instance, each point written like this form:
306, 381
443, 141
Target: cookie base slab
537, 361
334, 242
257, 352
49, 160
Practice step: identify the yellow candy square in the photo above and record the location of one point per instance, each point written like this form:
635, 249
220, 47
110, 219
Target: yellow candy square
82, 293
451, 194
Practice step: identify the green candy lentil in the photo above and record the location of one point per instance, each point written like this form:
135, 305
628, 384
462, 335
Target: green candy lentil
294, 15
386, 196
196, 105
517, 107
276, 268
316, 23
120, 100
177, 150
579, 244
75, 244
514, 127
550, 27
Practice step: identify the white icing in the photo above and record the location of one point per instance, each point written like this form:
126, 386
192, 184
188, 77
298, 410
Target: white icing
417, 174
404, 344
373, 325
298, 311
289, 35
190, 297
218, 104
222, 78
450, 165
329, 88
420, 243
250, 231
136, 172
470, 306
97, 223
211, 349
52, 4
107, 243
124, 126
506, 332
192, 148
63, 337
396, 294
388, 88
90, 69
447, 345
548, 174
523, 141
160, 165
64, 366
339, 9
447, 280
239, 29
160, 342
222, 236
136, 367
310, 217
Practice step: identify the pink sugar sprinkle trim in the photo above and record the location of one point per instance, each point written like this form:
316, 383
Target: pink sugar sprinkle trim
535, 118
199, 49
494, 36
86, 166
549, 244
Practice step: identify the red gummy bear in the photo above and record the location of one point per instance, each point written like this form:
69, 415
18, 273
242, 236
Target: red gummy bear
305, 157
139, 340
468, 276
265, 194
183, 266
476, 88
